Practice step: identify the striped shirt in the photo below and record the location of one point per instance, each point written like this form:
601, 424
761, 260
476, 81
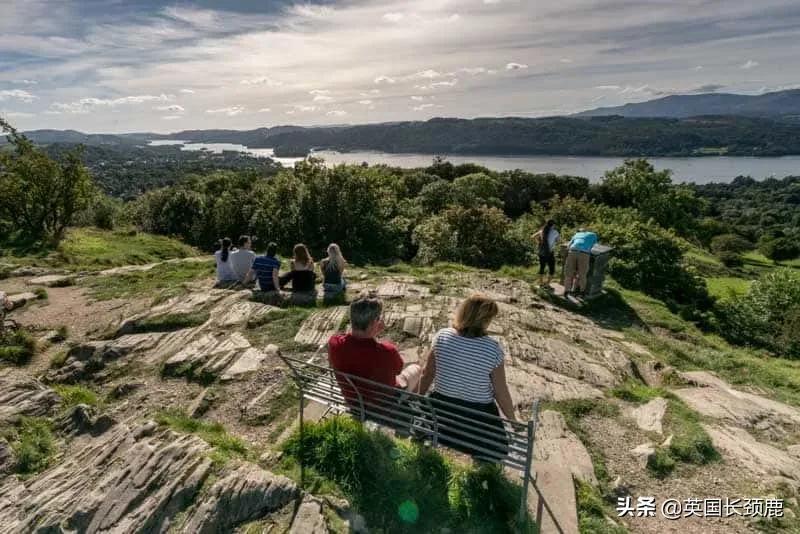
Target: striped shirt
464, 365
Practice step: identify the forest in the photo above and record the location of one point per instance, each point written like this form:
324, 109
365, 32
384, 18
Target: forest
670, 240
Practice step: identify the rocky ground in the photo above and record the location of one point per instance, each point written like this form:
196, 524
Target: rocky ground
212, 354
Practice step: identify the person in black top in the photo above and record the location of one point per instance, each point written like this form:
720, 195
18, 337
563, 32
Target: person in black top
301, 273
332, 269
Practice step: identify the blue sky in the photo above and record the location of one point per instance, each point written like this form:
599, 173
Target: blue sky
121, 65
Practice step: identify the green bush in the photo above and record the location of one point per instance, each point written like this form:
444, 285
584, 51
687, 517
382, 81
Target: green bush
34, 445
73, 395
730, 243
766, 316
730, 259
779, 248
17, 346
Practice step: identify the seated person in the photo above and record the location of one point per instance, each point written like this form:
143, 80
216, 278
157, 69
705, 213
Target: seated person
301, 274
225, 273
359, 353
468, 367
242, 260
265, 269
332, 269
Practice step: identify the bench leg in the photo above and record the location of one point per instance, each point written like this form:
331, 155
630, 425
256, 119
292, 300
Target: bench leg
523, 505
302, 463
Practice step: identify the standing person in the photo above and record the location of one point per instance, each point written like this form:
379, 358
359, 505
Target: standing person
265, 269
225, 273
332, 269
301, 273
576, 266
469, 371
547, 239
242, 260
361, 354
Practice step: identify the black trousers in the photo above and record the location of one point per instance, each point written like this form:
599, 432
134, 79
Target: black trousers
547, 261
490, 429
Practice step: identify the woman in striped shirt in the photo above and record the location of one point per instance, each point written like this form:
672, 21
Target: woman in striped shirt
467, 366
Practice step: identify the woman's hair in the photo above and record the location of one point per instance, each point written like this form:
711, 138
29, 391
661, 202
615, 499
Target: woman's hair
335, 256
546, 229
474, 314
226, 246
300, 254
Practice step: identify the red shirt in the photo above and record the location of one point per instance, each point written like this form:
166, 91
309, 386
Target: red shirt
378, 361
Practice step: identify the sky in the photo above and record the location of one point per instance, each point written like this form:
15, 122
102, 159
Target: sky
141, 65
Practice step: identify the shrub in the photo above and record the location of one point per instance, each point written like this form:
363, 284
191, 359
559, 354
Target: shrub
17, 346
34, 445
730, 243
766, 316
730, 259
779, 248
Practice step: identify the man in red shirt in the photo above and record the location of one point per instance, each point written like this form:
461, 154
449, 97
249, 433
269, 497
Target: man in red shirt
359, 353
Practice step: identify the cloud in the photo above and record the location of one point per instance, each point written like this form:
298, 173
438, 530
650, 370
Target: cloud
231, 111
262, 80
264, 110
607, 87
16, 94
336, 113
393, 17
749, 64
84, 105
491, 2
175, 108
311, 11
187, 91
384, 79
171, 117
301, 108
417, 98
425, 74
422, 107
323, 98
565, 60
24, 82
473, 71
516, 66
319, 92
15, 114
365, 102
371, 92
697, 68
437, 85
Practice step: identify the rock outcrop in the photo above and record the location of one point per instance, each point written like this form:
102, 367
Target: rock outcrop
26, 397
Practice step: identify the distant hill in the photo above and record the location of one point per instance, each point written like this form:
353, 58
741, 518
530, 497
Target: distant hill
580, 136
780, 104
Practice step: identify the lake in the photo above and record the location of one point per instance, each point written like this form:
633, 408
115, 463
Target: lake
697, 170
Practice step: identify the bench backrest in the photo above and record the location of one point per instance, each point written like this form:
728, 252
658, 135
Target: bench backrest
485, 436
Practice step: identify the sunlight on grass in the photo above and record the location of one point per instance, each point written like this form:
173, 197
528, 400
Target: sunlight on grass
226, 446
727, 286
166, 280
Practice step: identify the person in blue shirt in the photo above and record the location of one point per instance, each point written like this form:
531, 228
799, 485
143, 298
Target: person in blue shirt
265, 268
576, 266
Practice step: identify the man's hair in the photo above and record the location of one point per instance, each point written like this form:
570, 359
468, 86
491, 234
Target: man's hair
363, 311
243, 240
272, 249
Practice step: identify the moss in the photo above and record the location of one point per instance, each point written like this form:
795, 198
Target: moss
58, 359
226, 446
41, 293
633, 391
73, 395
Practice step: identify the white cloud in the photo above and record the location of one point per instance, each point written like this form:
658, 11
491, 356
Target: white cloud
417, 98
231, 111
472, 70
437, 85
264, 110
175, 108
490, 2
425, 74
24, 82
311, 11
171, 117
336, 113
565, 60
697, 68
15, 114
84, 105
749, 64
371, 92
384, 79
393, 17
187, 91
319, 92
301, 108
365, 102
607, 87
516, 66
323, 98
262, 80
422, 107
16, 94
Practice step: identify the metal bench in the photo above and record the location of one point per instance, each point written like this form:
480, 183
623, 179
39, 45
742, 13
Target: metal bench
485, 437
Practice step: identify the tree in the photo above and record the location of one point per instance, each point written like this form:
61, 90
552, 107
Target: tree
40, 197
479, 189
779, 248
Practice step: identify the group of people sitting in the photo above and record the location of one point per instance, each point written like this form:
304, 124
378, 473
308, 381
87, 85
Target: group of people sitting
463, 367
240, 265
576, 264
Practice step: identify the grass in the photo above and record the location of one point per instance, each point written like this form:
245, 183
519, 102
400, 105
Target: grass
593, 511
17, 346
58, 359
90, 249
633, 391
226, 446
400, 486
171, 321
166, 280
71, 396
279, 328
41, 293
727, 286
34, 445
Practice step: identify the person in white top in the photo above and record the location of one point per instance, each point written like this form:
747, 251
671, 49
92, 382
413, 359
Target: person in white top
242, 260
546, 240
225, 273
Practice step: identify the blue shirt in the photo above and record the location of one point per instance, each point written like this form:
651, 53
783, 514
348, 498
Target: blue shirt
263, 266
583, 241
